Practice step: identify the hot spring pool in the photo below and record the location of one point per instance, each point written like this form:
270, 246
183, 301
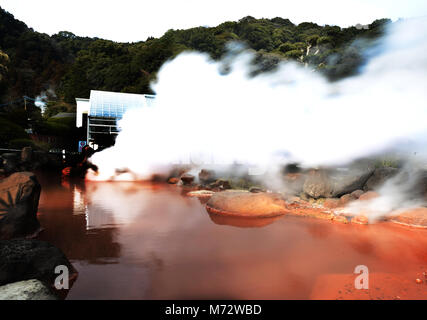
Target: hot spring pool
149, 241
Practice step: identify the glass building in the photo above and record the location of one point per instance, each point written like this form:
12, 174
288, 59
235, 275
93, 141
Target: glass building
100, 113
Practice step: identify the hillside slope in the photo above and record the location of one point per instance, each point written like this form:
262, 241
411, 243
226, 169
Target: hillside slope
71, 66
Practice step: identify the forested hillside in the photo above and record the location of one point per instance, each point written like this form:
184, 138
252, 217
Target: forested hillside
72, 65
65, 66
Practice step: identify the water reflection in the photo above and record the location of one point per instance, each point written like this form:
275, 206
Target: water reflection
64, 216
149, 241
242, 222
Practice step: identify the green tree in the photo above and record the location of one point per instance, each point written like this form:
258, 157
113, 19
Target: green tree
4, 61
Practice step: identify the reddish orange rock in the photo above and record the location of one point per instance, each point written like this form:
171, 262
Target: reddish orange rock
369, 195
341, 219
416, 217
360, 220
173, 180
331, 203
308, 211
246, 204
357, 193
345, 199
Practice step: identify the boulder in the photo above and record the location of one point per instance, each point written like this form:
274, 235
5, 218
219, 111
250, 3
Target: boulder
292, 168
173, 180
19, 200
27, 155
206, 176
187, 179
10, 162
357, 193
332, 183
247, 204
256, 190
24, 259
40, 159
294, 183
331, 203
420, 188
369, 195
347, 198
379, 176
220, 184
26, 290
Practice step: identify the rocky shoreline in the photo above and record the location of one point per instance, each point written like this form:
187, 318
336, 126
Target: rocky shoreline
28, 267
317, 193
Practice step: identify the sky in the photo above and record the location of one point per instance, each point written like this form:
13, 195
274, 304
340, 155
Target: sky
135, 20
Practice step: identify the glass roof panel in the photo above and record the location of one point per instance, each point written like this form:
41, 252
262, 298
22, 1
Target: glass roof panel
114, 104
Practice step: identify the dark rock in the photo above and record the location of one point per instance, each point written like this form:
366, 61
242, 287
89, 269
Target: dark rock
379, 176
187, 179
19, 200
24, 259
256, 190
304, 196
419, 190
334, 183
27, 155
10, 162
206, 176
40, 159
291, 168
220, 184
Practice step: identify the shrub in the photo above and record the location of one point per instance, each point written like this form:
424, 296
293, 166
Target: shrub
287, 46
21, 143
323, 40
293, 54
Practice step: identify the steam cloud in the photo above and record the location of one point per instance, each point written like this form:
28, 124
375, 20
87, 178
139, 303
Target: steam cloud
202, 115
42, 99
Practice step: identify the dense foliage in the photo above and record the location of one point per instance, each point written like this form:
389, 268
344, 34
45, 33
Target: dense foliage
74, 65
65, 66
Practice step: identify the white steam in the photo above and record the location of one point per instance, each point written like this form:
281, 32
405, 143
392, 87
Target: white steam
292, 114
42, 99
41, 102
396, 195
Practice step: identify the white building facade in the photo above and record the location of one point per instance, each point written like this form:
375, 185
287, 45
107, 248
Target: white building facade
100, 113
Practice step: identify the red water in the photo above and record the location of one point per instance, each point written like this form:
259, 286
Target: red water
144, 241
